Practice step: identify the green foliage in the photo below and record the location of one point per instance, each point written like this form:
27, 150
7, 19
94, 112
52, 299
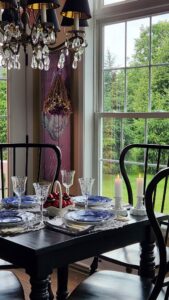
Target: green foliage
3, 111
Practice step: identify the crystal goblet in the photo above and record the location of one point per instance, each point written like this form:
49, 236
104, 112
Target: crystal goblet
19, 186
41, 191
86, 185
67, 179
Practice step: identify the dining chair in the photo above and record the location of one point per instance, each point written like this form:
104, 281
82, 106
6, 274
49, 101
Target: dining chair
120, 285
35, 160
10, 286
146, 159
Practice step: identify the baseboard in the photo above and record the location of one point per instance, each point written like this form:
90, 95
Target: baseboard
80, 267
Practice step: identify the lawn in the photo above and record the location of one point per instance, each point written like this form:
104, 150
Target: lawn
108, 190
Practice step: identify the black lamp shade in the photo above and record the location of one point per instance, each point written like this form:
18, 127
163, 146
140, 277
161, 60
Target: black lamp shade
8, 4
36, 5
67, 22
10, 15
52, 18
72, 7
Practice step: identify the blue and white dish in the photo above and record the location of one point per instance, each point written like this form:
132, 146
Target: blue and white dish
88, 216
10, 218
26, 202
92, 201
13, 218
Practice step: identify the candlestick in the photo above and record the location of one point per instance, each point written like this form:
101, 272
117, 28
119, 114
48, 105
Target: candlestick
118, 187
139, 181
139, 209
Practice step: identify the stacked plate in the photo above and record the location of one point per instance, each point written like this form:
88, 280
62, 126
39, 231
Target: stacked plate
26, 202
93, 201
88, 216
13, 218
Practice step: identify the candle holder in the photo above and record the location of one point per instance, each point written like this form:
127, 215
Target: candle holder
119, 209
140, 209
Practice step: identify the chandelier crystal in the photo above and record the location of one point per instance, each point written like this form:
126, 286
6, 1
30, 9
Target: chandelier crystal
35, 23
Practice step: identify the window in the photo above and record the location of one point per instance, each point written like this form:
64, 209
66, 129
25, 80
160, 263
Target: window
106, 2
3, 113
133, 89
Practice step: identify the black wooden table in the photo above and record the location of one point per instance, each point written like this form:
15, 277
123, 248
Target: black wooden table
39, 252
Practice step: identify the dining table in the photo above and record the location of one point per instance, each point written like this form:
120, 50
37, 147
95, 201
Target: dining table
40, 252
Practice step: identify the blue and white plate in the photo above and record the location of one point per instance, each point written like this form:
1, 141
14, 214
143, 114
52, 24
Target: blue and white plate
26, 202
88, 216
10, 218
13, 218
92, 201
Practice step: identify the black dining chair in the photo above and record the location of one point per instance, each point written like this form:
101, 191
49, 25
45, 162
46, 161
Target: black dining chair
10, 286
36, 161
120, 285
146, 159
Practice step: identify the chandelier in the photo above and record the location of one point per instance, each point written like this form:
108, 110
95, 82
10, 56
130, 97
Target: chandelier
34, 23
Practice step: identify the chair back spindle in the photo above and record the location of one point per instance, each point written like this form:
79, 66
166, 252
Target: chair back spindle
31, 160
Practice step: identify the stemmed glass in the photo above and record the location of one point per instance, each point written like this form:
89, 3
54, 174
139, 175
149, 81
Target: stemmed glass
42, 191
19, 185
86, 185
67, 179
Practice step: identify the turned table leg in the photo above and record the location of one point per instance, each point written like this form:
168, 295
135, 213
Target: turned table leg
147, 258
39, 288
62, 277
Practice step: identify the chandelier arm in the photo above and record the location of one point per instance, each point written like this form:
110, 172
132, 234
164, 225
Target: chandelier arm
10, 47
62, 45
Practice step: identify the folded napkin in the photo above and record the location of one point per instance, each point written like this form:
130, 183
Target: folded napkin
68, 228
9, 231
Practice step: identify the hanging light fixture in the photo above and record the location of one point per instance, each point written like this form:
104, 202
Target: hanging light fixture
34, 23
75, 13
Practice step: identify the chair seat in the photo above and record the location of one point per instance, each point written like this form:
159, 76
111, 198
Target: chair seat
129, 256
10, 287
114, 285
6, 265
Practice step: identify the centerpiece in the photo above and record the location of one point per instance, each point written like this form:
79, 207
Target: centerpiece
57, 204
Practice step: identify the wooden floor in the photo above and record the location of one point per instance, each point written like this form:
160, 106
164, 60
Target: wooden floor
75, 277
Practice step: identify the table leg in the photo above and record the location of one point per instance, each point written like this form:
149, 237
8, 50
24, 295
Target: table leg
62, 278
39, 288
147, 258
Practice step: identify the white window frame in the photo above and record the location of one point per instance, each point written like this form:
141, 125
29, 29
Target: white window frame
106, 15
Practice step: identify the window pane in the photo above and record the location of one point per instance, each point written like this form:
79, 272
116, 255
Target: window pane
110, 171
158, 132
134, 131
160, 88
160, 34
114, 88
112, 1
114, 47
138, 42
3, 97
3, 73
111, 138
137, 89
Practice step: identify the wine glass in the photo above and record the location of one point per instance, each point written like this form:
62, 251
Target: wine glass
41, 191
19, 185
86, 185
67, 179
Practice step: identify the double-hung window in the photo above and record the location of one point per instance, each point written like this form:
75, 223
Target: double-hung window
132, 81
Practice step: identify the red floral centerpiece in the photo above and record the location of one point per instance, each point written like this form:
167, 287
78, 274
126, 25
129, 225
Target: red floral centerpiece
53, 200
56, 202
